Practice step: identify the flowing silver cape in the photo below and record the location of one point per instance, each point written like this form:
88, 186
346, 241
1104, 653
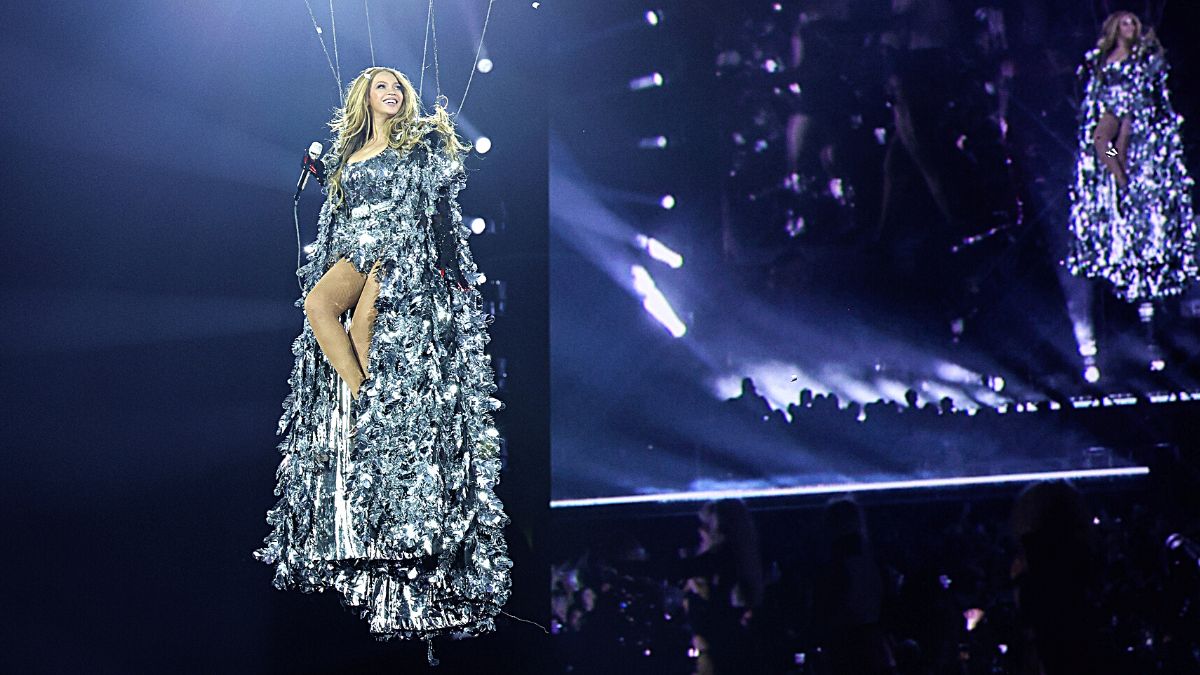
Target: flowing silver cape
1142, 239
389, 499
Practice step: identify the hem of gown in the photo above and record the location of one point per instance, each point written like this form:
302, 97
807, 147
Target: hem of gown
1134, 291
457, 616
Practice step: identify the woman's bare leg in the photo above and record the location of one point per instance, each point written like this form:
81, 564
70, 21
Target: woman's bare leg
335, 292
1102, 139
1122, 144
363, 325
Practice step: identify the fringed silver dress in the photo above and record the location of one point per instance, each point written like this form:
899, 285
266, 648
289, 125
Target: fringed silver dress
1141, 239
389, 499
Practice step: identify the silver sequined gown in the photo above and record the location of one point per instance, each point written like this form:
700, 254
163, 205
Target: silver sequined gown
1142, 240
401, 519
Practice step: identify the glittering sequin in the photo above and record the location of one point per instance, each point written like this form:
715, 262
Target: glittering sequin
389, 499
1141, 239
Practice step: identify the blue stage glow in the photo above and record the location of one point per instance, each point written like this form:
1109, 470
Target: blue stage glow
839, 488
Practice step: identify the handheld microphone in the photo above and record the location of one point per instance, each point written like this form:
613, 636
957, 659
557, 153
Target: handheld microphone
309, 166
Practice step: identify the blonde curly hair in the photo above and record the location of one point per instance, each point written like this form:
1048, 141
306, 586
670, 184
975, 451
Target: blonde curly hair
1145, 42
351, 125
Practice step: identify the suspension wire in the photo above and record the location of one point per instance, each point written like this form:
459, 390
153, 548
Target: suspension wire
437, 73
370, 40
336, 80
547, 632
475, 64
296, 220
425, 49
335, 63
336, 59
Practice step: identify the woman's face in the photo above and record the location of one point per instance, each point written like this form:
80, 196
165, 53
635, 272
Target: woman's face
385, 94
1127, 27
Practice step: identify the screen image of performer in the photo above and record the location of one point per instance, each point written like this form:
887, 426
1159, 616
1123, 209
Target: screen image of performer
1131, 207
390, 455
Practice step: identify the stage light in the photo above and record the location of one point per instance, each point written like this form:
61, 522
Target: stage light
667, 202
771, 66
483, 144
1087, 348
973, 617
1157, 364
478, 225
647, 81
659, 251
952, 372
794, 226
1146, 312
484, 65
653, 17
1091, 374
996, 383
653, 143
837, 190
654, 302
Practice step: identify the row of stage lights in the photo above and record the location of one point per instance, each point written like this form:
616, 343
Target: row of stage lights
950, 376
1105, 401
660, 142
653, 301
498, 299
482, 145
653, 17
